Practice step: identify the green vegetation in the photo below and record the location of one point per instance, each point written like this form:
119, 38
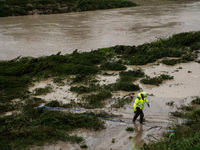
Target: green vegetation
120, 102
196, 101
185, 136
186, 107
84, 146
125, 80
113, 140
177, 114
84, 89
125, 86
6, 108
115, 66
130, 129
171, 103
43, 91
29, 7
37, 126
95, 100
54, 103
179, 45
131, 75
156, 80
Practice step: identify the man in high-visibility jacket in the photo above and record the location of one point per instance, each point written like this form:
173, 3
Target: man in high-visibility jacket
139, 105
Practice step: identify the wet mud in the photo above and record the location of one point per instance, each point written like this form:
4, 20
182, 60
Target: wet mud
158, 119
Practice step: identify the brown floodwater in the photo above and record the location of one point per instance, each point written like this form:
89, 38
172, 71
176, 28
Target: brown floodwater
39, 35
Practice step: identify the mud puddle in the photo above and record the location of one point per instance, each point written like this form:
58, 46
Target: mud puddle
181, 90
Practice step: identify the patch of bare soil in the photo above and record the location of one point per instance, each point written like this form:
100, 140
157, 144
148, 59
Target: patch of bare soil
181, 90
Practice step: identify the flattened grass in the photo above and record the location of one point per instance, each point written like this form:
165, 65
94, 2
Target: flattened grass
130, 75
96, 100
156, 80
37, 126
184, 136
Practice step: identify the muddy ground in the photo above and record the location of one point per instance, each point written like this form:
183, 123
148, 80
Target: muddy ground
158, 120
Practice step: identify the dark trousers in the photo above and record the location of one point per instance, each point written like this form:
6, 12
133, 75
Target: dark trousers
138, 112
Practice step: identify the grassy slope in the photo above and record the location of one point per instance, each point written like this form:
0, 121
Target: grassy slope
18, 74
26, 7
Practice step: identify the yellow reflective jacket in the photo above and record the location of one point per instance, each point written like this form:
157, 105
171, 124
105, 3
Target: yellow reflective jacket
139, 102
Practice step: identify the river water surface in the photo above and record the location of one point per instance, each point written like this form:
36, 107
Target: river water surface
40, 35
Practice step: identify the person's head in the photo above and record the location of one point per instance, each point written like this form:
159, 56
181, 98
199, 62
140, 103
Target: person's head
144, 94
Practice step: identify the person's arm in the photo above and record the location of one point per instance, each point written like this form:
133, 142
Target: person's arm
146, 100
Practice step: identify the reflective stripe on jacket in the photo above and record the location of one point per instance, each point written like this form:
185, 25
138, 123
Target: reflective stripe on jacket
139, 102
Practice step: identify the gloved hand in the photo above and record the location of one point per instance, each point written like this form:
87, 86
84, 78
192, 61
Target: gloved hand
134, 112
148, 105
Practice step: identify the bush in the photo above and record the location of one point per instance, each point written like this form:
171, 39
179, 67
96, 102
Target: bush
130, 129
43, 91
153, 81
124, 86
115, 66
166, 77
84, 89
96, 100
120, 102
156, 80
141, 59
54, 103
196, 101
130, 76
134, 73
171, 62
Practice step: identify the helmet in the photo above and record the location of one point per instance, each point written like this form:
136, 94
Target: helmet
144, 94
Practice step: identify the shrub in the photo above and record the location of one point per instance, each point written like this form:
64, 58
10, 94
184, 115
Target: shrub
96, 100
171, 103
153, 81
84, 89
171, 61
196, 101
130, 129
156, 80
177, 114
124, 86
132, 73
54, 103
166, 77
184, 107
84, 146
120, 102
141, 59
43, 91
115, 66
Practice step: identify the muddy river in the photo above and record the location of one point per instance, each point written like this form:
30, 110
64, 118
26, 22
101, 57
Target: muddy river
40, 35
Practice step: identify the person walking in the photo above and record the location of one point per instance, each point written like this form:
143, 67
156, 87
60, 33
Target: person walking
139, 105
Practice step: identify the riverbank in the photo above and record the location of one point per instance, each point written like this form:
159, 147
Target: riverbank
84, 76
31, 7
